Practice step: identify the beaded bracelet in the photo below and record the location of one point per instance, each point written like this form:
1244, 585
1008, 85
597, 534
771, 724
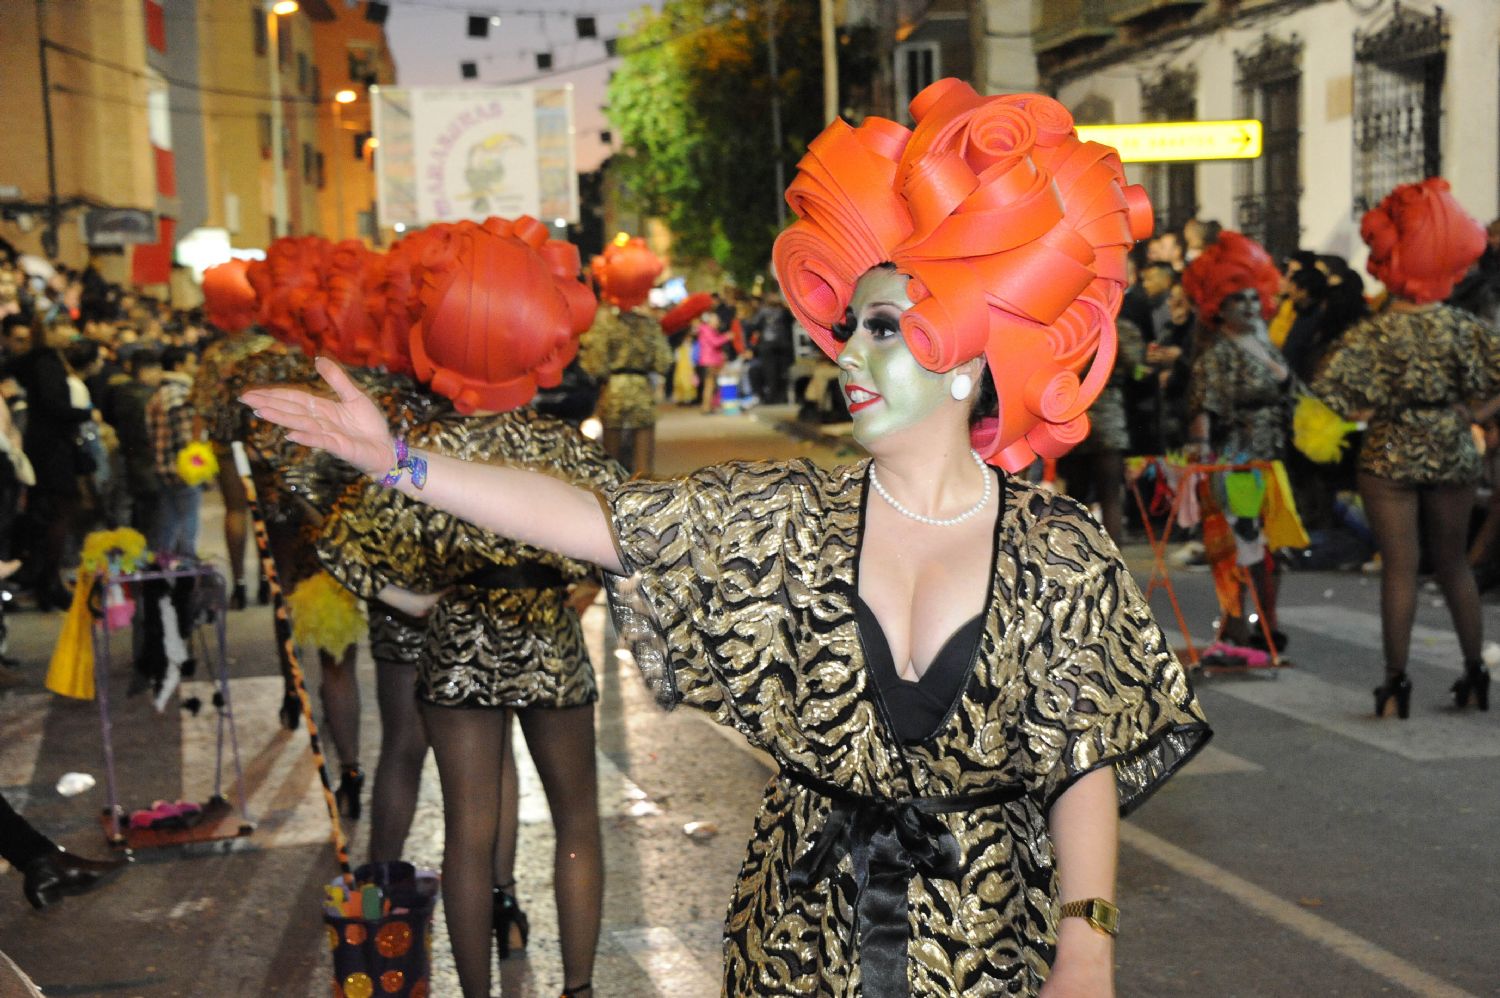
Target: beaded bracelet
406, 461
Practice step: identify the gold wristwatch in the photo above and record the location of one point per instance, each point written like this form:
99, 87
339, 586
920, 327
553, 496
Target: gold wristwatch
1101, 914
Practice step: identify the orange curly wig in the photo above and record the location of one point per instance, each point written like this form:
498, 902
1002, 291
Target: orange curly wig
1421, 241
501, 310
1014, 235
1231, 264
228, 296
626, 272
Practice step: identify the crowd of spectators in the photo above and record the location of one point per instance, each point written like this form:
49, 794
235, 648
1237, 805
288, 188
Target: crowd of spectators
94, 380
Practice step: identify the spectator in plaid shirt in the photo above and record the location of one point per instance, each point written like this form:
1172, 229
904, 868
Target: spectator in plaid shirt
169, 417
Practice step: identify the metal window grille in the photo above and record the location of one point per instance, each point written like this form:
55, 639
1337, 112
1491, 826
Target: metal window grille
1268, 200
1173, 187
1398, 103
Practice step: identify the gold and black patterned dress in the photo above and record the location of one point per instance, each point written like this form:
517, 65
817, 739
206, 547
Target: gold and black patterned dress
503, 634
1249, 410
214, 397
623, 349
1410, 370
875, 866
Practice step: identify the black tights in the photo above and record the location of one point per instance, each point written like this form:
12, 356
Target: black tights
633, 447
1393, 511
469, 746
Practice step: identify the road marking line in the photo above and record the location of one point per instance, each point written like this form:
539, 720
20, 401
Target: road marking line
672, 967
1354, 948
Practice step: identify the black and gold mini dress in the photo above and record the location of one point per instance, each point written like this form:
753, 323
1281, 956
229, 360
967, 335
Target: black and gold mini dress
503, 634
895, 858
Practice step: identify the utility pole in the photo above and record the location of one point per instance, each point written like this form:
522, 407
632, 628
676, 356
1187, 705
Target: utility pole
776, 138
830, 64
50, 243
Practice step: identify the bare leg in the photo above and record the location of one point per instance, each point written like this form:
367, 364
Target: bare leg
1447, 514
562, 745
398, 774
469, 745
1392, 511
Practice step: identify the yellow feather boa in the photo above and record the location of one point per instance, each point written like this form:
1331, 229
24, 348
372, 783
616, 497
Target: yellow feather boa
325, 614
1318, 431
196, 463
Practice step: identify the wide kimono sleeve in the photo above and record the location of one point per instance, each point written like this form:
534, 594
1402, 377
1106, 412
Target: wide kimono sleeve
702, 576
1350, 381
1478, 348
1110, 692
376, 537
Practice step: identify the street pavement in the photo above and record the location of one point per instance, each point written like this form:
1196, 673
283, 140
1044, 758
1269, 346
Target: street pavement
1309, 850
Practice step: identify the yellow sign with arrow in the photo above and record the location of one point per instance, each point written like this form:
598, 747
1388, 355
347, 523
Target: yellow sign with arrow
1179, 141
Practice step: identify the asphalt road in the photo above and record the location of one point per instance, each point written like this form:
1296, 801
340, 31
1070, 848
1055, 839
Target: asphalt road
1310, 850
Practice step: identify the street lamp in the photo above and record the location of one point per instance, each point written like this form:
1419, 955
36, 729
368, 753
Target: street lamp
341, 98
276, 11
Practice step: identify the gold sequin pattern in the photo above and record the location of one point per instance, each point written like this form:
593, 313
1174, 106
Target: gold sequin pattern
621, 342
1249, 411
214, 397
485, 647
739, 602
1408, 371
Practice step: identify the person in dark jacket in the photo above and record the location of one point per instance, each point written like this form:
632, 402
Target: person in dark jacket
128, 399
51, 444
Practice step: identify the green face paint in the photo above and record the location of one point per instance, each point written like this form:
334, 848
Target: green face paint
886, 388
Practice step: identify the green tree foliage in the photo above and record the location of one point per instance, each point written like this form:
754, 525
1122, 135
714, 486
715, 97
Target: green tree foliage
692, 107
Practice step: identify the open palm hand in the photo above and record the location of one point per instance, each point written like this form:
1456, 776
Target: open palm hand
349, 426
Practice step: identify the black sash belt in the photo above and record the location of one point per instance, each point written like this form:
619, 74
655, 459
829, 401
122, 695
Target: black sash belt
523, 576
888, 841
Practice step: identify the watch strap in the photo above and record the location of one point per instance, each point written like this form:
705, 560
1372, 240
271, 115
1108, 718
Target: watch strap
1100, 914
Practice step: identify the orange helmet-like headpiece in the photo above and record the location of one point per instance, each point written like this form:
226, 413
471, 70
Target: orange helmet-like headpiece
681, 315
228, 297
626, 272
501, 310
1421, 241
1231, 264
287, 284
336, 315
1014, 235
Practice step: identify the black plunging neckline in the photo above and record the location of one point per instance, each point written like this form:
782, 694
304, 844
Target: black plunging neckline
918, 707
855, 602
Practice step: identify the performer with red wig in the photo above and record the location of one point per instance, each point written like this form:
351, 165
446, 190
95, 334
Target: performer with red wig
500, 312
1239, 407
623, 349
960, 680
1414, 371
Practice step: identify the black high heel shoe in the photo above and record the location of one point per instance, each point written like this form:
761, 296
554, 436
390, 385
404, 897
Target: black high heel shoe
508, 913
347, 795
578, 990
1396, 688
1474, 683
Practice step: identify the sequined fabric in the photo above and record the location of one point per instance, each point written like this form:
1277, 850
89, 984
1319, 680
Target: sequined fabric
1249, 411
214, 397
620, 349
1409, 370
739, 601
485, 647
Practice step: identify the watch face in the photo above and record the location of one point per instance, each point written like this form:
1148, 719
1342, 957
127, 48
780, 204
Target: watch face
1104, 916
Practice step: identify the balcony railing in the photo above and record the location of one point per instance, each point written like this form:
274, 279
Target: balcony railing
1071, 24
1131, 12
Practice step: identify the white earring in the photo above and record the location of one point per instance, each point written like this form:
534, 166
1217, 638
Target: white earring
961, 387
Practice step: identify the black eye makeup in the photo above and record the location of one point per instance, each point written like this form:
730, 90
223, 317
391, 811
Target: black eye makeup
843, 330
882, 324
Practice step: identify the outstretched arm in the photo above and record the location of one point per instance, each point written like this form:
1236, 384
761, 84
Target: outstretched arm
527, 506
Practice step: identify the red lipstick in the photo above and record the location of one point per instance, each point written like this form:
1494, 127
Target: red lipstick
868, 398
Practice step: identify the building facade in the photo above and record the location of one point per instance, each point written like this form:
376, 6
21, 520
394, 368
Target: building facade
1354, 99
171, 107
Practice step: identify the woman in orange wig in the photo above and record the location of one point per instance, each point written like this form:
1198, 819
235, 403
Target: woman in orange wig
1414, 371
960, 681
623, 349
500, 309
1239, 405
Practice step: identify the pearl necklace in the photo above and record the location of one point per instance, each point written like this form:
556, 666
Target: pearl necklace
930, 521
